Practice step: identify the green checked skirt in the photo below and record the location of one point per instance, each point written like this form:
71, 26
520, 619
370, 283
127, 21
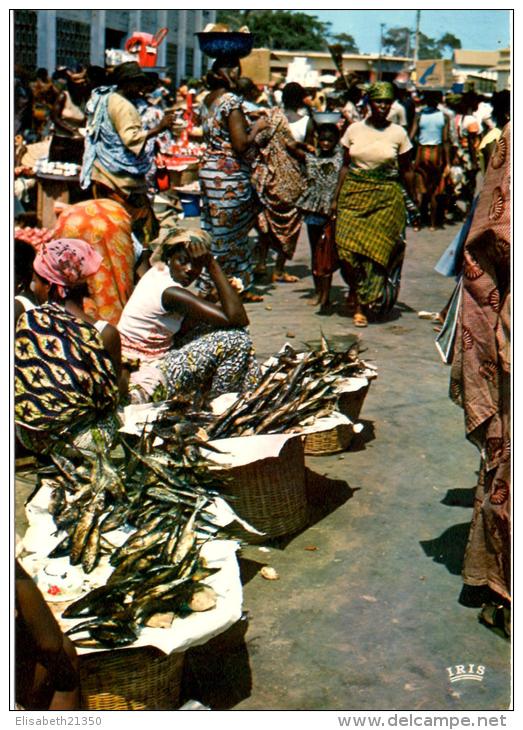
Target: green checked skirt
370, 225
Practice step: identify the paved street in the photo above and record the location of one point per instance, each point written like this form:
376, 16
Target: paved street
370, 620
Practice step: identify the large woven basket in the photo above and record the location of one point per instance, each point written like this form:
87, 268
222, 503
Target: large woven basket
350, 402
143, 678
270, 493
331, 441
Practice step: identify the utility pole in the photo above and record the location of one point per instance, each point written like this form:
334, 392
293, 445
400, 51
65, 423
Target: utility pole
382, 25
416, 42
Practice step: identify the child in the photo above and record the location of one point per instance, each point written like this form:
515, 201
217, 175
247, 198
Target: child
322, 170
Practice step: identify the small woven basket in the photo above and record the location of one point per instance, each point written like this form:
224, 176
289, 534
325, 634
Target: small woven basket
270, 493
331, 441
143, 678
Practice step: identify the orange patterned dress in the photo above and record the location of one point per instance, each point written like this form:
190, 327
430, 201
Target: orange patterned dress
106, 225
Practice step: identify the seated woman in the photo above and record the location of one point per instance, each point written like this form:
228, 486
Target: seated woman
186, 344
68, 372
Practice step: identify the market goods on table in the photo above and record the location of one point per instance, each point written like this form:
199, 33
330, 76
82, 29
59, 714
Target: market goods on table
34, 236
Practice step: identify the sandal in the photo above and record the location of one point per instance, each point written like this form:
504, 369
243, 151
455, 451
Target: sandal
285, 278
248, 296
360, 320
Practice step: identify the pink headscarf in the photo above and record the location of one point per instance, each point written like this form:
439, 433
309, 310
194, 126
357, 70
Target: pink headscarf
66, 262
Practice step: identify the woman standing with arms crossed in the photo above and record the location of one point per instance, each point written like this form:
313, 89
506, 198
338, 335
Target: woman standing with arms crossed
370, 207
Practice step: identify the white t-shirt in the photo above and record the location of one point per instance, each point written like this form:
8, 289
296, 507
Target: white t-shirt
371, 148
145, 327
397, 114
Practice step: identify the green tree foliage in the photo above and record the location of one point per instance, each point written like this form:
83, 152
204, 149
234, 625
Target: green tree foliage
400, 42
280, 29
347, 42
397, 42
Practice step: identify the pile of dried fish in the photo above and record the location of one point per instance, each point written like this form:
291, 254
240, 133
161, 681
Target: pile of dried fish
294, 387
157, 570
160, 493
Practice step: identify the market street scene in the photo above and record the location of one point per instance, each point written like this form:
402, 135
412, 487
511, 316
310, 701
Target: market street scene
262, 360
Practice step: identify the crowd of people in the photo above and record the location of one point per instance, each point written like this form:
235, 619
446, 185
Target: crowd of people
120, 308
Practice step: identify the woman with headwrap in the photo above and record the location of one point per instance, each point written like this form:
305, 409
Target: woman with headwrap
186, 345
371, 211
228, 201
68, 372
116, 161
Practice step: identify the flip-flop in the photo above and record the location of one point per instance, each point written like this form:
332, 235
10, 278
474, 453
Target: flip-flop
249, 297
360, 320
285, 278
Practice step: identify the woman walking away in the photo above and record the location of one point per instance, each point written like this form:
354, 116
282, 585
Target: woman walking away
279, 182
370, 205
186, 345
229, 209
322, 172
294, 108
431, 132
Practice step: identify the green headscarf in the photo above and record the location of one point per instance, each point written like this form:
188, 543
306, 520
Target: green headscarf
381, 90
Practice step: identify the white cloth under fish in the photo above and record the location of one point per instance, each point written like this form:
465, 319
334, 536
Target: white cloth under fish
327, 423
242, 450
193, 630
196, 628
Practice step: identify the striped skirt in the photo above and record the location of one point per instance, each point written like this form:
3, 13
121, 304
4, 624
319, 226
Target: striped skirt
429, 167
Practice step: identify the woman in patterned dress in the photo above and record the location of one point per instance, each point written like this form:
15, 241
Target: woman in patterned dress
106, 226
68, 373
228, 201
186, 345
480, 384
279, 182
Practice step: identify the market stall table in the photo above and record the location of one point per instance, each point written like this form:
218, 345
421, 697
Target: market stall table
52, 189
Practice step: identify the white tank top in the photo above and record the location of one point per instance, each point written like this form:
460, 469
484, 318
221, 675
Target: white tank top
299, 129
146, 328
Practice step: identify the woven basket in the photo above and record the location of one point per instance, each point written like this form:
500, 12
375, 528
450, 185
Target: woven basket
270, 493
350, 402
331, 441
143, 678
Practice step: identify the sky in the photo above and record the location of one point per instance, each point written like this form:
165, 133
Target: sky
478, 30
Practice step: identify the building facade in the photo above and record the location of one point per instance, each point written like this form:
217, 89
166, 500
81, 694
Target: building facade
51, 38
